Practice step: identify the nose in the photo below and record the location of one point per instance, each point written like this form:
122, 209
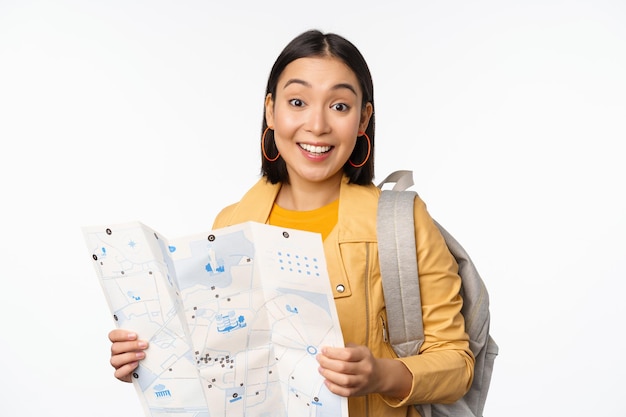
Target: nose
317, 122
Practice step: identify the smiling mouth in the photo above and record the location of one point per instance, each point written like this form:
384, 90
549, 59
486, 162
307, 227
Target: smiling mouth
318, 150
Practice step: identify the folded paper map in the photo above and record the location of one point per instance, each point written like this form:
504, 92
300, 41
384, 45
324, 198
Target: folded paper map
234, 318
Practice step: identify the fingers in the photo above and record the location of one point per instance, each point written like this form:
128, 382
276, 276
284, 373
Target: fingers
125, 341
351, 353
124, 373
121, 335
126, 352
345, 385
119, 360
347, 371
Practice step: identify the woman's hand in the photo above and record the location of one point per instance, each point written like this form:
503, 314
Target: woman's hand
353, 371
126, 352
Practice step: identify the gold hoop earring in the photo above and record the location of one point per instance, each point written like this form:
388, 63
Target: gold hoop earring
263, 147
369, 149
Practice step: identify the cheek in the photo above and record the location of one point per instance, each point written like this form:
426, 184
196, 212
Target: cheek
350, 128
285, 121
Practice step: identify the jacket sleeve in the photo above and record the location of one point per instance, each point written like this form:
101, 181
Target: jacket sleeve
443, 370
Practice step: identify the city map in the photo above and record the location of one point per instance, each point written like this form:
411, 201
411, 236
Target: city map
234, 318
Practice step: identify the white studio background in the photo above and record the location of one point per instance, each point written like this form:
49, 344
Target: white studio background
512, 115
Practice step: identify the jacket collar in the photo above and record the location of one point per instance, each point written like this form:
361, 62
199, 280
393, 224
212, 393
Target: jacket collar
357, 212
356, 217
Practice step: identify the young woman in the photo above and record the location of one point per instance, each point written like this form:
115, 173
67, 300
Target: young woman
317, 148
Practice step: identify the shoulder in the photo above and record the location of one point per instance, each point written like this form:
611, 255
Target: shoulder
255, 205
423, 219
221, 220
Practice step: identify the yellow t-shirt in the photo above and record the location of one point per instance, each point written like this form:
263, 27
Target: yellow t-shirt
321, 220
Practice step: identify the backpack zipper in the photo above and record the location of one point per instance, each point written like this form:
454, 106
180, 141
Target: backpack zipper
384, 326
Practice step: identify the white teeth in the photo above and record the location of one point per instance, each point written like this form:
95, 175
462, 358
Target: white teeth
314, 149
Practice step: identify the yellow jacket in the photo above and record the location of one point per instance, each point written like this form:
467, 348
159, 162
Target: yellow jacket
443, 370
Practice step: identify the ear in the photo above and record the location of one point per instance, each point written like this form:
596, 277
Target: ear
366, 115
269, 110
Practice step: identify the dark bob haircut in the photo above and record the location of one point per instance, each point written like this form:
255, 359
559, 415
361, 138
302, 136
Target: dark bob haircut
314, 43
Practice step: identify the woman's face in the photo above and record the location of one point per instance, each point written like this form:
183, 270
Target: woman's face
316, 115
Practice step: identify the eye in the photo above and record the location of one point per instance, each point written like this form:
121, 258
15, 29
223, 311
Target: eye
296, 102
341, 107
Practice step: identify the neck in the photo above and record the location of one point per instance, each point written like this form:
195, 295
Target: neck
309, 196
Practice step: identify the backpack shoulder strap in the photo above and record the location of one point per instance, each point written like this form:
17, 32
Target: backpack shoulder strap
402, 180
398, 265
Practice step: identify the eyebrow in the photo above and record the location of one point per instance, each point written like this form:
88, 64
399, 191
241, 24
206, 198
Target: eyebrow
335, 87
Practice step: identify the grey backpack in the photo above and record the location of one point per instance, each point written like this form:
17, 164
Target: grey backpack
398, 266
